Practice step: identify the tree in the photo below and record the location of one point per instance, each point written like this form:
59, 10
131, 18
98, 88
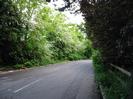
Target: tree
109, 24
33, 34
11, 30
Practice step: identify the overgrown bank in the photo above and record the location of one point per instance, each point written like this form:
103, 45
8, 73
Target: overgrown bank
33, 34
114, 84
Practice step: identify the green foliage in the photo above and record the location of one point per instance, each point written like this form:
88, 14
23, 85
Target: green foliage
109, 24
18, 66
62, 38
115, 85
28, 64
11, 30
88, 51
33, 34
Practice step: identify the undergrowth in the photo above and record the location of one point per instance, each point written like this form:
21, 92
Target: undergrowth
115, 84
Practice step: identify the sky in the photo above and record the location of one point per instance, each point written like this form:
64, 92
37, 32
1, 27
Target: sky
71, 18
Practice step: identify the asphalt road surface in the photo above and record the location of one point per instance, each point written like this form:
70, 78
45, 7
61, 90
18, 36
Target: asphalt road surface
71, 80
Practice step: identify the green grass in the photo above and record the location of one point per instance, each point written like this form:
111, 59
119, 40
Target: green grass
115, 84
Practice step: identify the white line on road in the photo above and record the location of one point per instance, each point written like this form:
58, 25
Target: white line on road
27, 85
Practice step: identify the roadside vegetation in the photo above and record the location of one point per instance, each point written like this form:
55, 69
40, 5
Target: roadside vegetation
109, 24
32, 34
112, 83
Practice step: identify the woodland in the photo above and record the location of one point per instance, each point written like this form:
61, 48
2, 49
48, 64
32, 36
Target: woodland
32, 34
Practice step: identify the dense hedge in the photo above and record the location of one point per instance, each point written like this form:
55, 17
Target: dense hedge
110, 25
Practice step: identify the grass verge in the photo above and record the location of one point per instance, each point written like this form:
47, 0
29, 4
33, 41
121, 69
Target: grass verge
115, 85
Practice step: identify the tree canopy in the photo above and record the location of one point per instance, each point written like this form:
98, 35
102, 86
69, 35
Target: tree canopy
34, 34
109, 24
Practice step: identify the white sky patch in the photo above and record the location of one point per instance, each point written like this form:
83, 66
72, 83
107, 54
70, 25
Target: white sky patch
57, 3
71, 18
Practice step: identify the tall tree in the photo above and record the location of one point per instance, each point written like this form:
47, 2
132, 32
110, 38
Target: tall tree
11, 28
109, 23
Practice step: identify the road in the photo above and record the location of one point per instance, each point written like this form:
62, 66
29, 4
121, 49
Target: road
71, 80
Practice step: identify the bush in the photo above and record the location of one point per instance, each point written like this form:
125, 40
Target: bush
110, 25
75, 56
28, 64
18, 66
113, 87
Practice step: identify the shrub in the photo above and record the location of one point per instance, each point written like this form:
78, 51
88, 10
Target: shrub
18, 66
113, 87
109, 25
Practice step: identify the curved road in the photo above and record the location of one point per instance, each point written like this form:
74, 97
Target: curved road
72, 80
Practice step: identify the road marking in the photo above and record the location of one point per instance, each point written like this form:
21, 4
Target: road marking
27, 85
